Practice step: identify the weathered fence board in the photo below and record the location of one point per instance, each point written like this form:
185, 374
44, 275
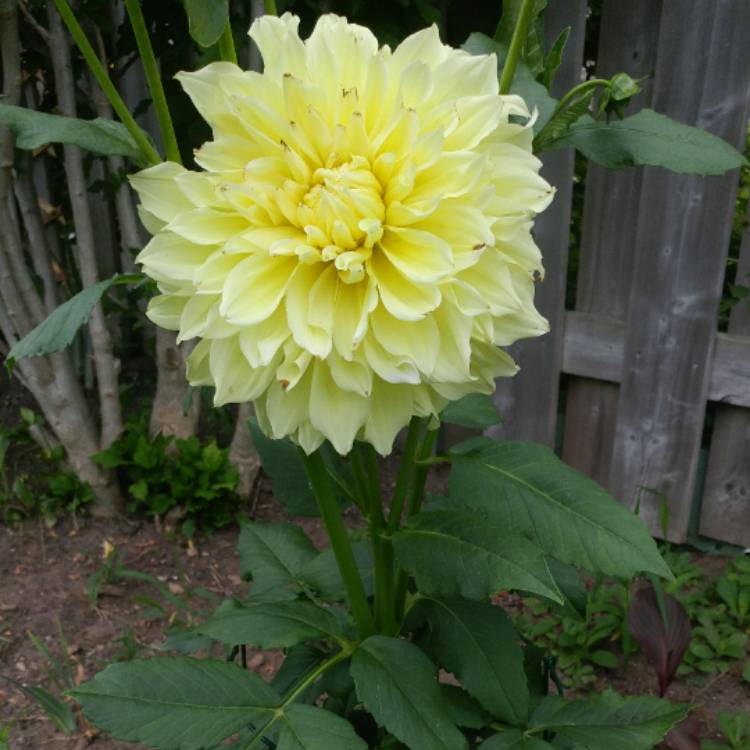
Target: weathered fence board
627, 42
529, 404
725, 507
683, 232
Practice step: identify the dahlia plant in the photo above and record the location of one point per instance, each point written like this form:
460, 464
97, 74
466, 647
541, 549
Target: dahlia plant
351, 255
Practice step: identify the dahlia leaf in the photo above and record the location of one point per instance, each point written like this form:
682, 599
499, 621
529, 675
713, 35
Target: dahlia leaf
270, 624
475, 411
57, 330
398, 685
459, 553
525, 489
608, 720
274, 555
650, 139
176, 703
206, 20
462, 709
476, 642
514, 739
100, 136
311, 728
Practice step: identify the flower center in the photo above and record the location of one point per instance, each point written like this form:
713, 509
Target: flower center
342, 214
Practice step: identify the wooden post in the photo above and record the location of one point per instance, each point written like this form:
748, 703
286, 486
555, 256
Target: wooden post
683, 232
528, 402
725, 509
627, 42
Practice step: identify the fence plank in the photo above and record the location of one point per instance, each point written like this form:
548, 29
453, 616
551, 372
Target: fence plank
725, 508
528, 402
627, 42
594, 348
684, 223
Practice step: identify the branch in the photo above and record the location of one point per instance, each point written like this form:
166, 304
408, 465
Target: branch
28, 16
10, 54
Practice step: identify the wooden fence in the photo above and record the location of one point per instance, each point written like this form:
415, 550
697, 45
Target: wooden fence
640, 357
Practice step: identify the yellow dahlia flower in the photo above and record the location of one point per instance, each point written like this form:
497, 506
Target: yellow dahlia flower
359, 242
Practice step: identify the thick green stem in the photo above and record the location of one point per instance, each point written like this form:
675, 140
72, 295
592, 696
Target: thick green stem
381, 548
576, 93
153, 77
270, 7
415, 504
405, 473
226, 45
516, 45
150, 154
342, 549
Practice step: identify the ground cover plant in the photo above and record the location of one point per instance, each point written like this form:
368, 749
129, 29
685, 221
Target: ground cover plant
351, 257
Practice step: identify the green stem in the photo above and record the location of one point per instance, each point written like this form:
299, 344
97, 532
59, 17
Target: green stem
270, 7
150, 154
342, 549
153, 77
227, 51
516, 45
278, 713
381, 548
413, 507
405, 473
576, 92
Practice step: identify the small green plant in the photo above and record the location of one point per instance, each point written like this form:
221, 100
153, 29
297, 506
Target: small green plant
50, 490
194, 481
581, 641
735, 729
61, 674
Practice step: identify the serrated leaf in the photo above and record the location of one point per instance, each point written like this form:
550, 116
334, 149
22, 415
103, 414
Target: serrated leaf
311, 728
58, 330
476, 642
554, 57
100, 136
524, 83
175, 703
525, 489
271, 624
475, 411
457, 553
299, 660
609, 721
572, 587
398, 685
462, 709
651, 139
274, 555
324, 577
207, 20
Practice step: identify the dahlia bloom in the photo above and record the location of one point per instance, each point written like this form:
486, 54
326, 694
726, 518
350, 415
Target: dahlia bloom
359, 243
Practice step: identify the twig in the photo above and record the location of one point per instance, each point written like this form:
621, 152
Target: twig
26, 13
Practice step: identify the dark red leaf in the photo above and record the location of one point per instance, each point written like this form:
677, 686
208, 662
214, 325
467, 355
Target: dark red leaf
686, 735
663, 643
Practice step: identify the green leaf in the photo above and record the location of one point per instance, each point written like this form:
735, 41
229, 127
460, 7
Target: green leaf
476, 642
455, 553
280, 460
524, 84
397, 684
207, 19
514, 739
554, 57
462, 709
299, 661
324, 577
651, 139
475, 411
58, 712
271, 624
608, 720
311, 728
573, 589
526, 489
176, 703
274, 555
58, 330
100, 136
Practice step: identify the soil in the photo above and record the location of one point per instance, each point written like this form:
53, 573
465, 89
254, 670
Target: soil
43, 577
